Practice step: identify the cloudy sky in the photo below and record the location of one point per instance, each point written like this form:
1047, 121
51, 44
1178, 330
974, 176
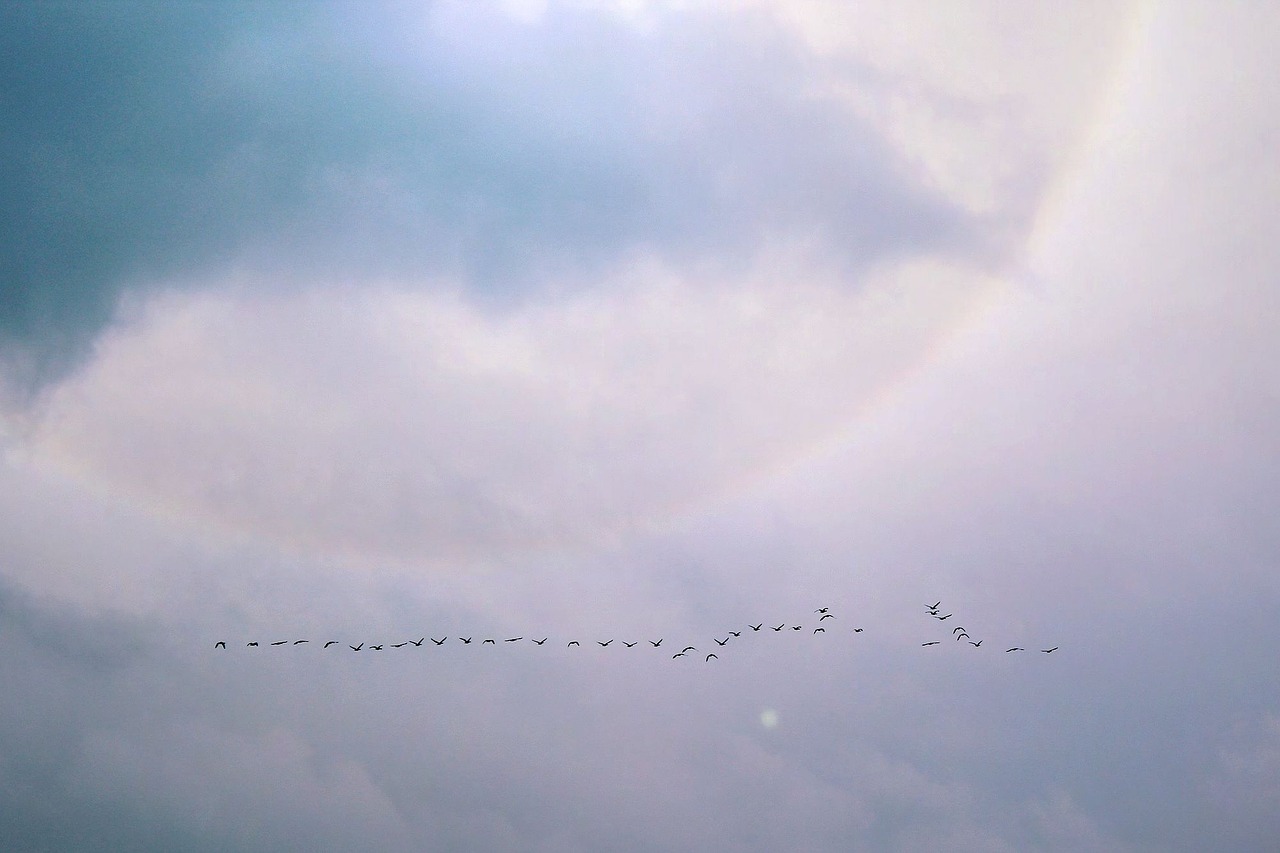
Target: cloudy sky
635, 319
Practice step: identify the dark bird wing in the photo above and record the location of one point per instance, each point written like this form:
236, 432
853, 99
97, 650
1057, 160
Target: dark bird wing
713, 655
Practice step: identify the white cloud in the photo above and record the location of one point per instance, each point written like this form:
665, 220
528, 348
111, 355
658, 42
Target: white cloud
420, 425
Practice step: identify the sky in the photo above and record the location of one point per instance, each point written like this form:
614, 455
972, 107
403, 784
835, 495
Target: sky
625, 321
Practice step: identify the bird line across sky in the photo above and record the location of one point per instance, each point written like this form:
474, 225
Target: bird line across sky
959, 633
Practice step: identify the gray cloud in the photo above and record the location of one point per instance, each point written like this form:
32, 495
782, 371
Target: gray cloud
153, 142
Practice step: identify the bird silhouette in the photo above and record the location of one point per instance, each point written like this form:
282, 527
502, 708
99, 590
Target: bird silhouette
419, 642
656, 643
300, 642
677, 655
780, 627
688, 649
1047, 651
465, 640
376, 648
399, 645
975, 645
721, 642
934, 643
822, 610
712, 655
943, 618
796, 627
540, 642
279, 642
757, 627
605, 643
628, 645
962, 635
1015, 649
934, 606
494, 642
221, 644
357, 648
826, 616
957, 629
857, 630
439, 642
330, 643
251, 644
736, 633
816, 630
514, 640
574, 643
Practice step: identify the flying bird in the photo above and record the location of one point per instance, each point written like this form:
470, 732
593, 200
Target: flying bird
796, 627
688, 649
857, 630
1047, 651
514, 640
399, 645
1015, 649
780, 627
975, 645
279, 642
934, 606
251, 644
721, 642
757, 627
439, 642
495, 642
816, 630
934, 643
330, 643
299, 642
376, 648
628, 645
822, 610
574, 643
712, 655
826, 616
942, 618
962, 635
465, 640
540, 642
605, 643
956, 629
736, 633
357, 648
656, 643
677, 655
419, 642
221, 644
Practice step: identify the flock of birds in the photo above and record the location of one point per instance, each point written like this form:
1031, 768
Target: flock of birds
959, 633
823, 614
